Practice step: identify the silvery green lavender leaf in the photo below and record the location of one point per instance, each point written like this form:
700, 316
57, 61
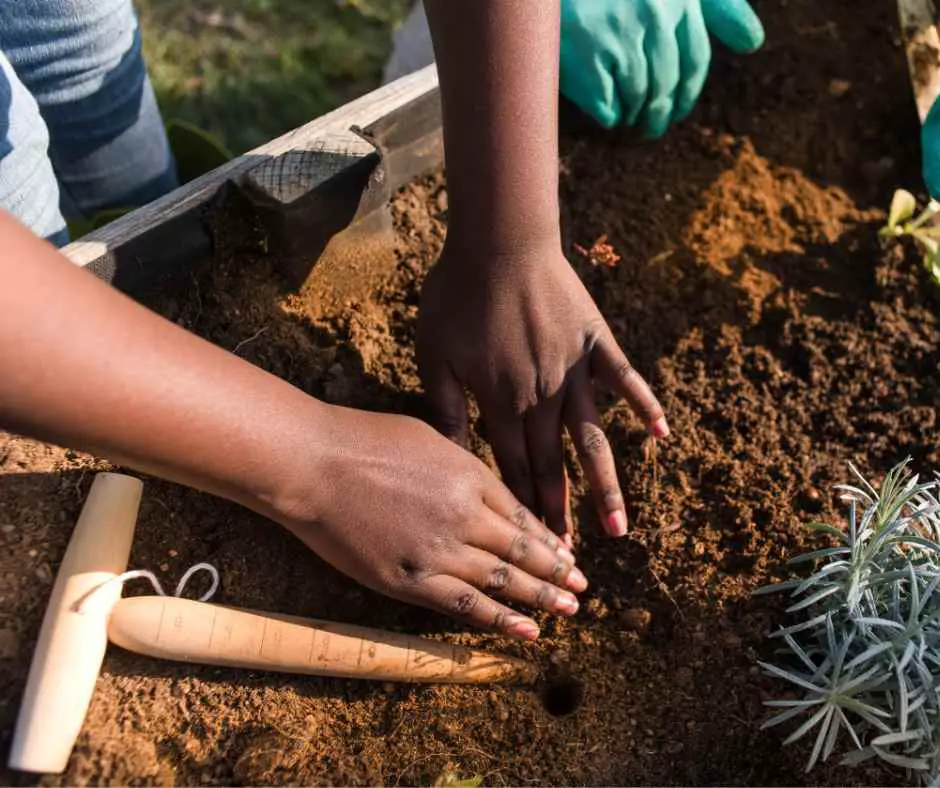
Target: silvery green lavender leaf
863, 647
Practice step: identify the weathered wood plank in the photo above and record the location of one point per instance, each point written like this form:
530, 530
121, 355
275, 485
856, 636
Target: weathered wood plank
169, 232
922, 45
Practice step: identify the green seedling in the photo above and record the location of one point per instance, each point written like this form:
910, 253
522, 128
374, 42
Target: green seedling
864, 656
902, 222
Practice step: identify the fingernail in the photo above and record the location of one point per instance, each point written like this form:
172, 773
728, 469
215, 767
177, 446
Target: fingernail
660, 428
577, 582
566, 604
565, 553
617, 523
524, 628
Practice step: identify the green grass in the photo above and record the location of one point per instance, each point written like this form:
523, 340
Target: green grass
249, 70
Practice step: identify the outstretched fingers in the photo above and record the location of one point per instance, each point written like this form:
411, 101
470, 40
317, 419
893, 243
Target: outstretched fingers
498, 577
512, 533
456, 598
511, 555
595, 455
610, 367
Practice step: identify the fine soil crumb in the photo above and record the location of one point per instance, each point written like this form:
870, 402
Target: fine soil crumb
783, 340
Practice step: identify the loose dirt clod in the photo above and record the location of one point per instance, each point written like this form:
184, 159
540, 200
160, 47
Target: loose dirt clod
636, 620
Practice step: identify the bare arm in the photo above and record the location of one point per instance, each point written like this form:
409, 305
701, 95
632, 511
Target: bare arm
383, 498
86, 367
498, 67
503, 313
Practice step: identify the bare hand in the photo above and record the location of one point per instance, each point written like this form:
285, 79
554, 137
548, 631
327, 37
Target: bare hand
521, 332
407, 513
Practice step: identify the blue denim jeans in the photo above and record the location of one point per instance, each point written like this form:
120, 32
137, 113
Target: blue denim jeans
79, 124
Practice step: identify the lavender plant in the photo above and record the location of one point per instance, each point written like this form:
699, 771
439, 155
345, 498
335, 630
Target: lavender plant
865, 656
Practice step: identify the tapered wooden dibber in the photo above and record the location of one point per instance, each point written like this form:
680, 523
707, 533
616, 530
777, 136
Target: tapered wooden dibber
71, 645
84, 611
189, 631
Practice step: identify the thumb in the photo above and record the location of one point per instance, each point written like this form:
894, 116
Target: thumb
447, 400
734, 23
930, 150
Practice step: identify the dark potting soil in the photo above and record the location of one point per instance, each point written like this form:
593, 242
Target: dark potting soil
783, 340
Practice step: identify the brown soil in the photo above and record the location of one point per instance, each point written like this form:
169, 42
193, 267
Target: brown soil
783, 341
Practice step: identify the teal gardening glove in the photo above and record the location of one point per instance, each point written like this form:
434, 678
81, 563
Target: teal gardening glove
645, 61
930, 150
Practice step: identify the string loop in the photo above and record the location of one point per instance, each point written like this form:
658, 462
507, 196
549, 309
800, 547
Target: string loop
81, 606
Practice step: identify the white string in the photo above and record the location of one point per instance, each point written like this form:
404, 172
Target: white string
81, 606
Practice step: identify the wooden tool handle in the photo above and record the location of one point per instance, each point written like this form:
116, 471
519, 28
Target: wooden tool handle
208, 634
71, 645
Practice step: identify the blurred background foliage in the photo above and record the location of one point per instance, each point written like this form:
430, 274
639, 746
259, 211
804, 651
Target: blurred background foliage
249, 70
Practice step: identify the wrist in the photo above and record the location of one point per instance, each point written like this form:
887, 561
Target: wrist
481, 249
288, 487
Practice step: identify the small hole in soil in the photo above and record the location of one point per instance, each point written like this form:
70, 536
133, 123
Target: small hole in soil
562, 696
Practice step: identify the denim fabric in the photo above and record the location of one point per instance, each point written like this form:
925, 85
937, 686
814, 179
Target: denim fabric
28, 187
80, 62
412, 49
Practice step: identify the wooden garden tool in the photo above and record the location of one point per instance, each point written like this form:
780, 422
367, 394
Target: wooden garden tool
922, 46
207, 634
85, 609
71, 645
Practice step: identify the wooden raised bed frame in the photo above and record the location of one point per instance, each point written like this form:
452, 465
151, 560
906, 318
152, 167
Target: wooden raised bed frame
316, 196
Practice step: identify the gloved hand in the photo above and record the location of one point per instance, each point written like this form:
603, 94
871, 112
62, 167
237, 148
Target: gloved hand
645, 61
930, 150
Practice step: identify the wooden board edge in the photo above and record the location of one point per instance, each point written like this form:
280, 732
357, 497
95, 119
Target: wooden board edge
169, 232
922, 46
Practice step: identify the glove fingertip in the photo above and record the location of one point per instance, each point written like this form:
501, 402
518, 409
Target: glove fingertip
656, 130
686, 101
657, 119
608, 118
745, 40
683, 110
734, 23
604, 114
632, 118
752, 38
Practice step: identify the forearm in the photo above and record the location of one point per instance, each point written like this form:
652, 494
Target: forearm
83, 366
498, 67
